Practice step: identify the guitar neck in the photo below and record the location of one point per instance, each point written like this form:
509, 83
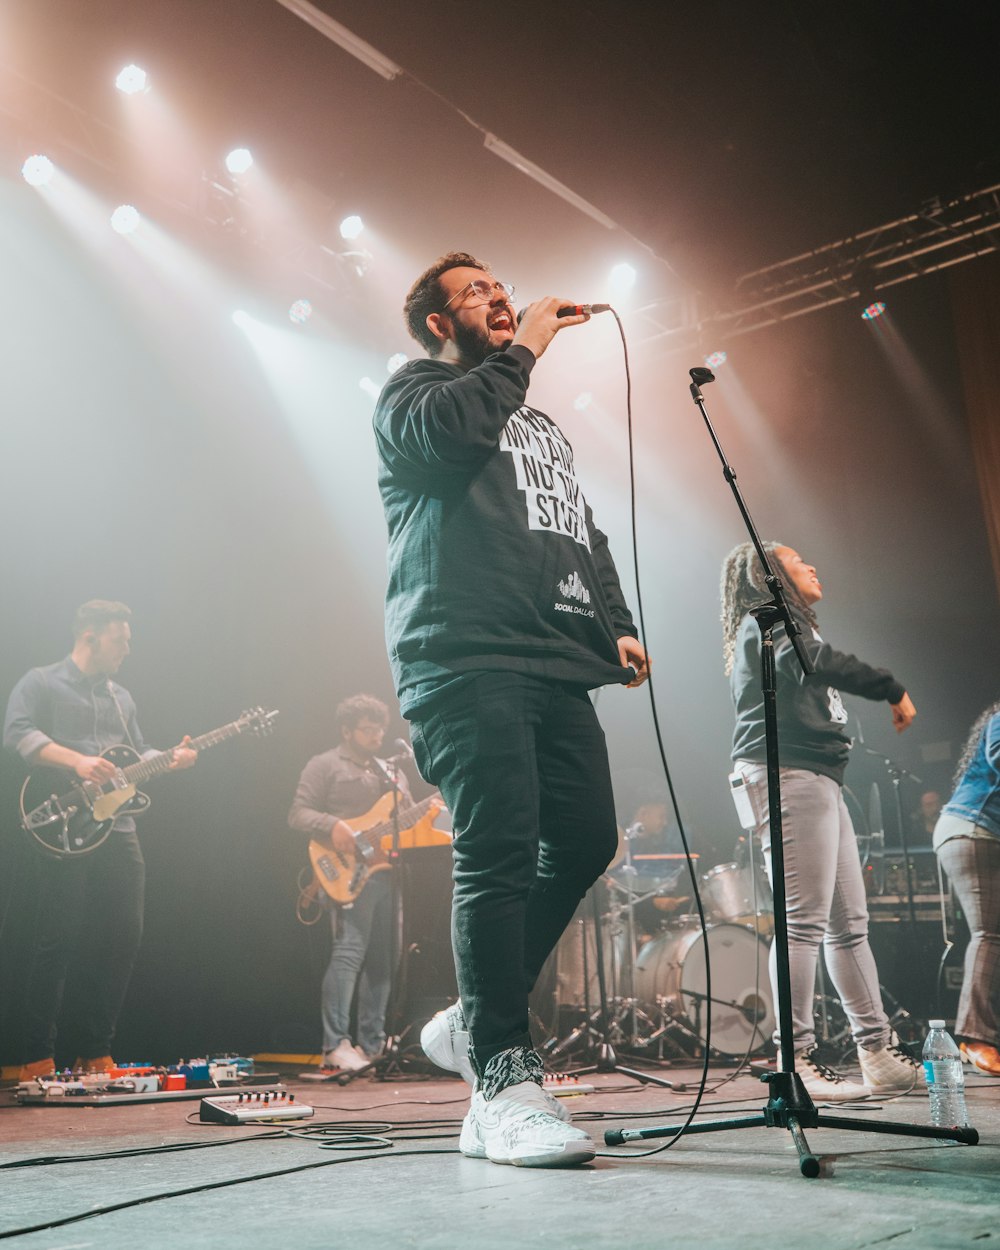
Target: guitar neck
405, 818
142, 770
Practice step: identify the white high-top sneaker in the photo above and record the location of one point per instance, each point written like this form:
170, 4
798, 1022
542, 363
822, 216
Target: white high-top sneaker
518, 1126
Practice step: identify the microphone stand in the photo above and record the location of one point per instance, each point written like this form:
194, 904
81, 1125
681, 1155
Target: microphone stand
389, 1062
896, 774
789, 1105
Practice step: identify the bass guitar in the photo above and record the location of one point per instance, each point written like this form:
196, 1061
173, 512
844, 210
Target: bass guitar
344, 874
77, 820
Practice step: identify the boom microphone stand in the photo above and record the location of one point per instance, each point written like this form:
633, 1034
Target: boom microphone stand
789, 1105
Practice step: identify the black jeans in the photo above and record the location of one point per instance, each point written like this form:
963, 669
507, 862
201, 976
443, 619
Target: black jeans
90, 911
523, 766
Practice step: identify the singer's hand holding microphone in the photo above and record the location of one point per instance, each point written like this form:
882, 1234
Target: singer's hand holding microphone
540, 322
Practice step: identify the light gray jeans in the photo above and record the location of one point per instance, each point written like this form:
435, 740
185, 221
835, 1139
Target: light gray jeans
825, 902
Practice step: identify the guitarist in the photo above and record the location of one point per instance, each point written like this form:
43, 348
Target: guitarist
339, 785
63, 716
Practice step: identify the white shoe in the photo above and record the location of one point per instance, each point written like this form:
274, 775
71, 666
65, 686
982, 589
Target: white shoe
891, 1070
822, 1083
444, 1039
519, 1126
344, 1057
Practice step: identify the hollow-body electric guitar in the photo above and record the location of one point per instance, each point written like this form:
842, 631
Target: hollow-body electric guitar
344, 874
77, 820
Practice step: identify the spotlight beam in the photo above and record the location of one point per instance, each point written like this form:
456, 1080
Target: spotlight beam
340, 35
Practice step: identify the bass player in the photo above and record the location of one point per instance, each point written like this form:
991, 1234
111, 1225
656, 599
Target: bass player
334, 788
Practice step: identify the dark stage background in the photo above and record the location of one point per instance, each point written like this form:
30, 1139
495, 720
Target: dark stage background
222, 482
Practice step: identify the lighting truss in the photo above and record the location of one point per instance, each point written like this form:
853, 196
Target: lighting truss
940, 234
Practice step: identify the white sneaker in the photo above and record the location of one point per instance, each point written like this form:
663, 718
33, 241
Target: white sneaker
822, 1083
344, 1057
891, 1070
518, 1126
444, 1039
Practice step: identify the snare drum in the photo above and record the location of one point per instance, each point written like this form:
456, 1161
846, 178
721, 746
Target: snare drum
728, 896
672, 968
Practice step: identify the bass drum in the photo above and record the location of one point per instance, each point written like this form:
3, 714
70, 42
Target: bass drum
671, 968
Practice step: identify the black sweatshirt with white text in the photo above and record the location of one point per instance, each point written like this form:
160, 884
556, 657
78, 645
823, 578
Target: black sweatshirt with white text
494, 559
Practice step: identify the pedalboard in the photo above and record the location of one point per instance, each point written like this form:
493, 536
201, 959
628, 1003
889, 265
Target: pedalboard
563, 1085
273, 1103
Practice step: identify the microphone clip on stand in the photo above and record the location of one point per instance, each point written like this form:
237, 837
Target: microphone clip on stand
789, 1105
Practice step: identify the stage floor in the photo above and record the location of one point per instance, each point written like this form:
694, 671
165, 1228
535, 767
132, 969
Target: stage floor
252, 1186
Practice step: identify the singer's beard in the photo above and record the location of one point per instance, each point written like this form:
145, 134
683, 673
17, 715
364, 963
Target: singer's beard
475, 344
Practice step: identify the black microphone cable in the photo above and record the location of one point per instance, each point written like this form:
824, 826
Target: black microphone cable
661, 750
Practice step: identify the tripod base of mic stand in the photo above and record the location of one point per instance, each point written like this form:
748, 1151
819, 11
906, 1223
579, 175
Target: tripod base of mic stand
383, 1067
607, 1061
790, 1107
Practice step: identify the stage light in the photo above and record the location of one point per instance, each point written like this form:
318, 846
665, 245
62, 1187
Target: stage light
351, 227
583, 401
506, 153
239, 160
370, 388
300, 311
37, 171
623, 277
714, 359
242, 319
873, 310
131, 80
396, 362
339, 34
125, 219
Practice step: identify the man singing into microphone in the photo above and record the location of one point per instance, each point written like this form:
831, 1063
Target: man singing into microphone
503, 610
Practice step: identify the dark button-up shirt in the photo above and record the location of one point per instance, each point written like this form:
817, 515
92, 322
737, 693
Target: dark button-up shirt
333, 785
60, 704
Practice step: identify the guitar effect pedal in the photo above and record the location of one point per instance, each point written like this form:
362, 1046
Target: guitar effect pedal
253, 1105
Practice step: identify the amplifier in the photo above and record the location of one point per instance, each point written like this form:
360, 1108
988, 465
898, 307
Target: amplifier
256, 1105
896, 907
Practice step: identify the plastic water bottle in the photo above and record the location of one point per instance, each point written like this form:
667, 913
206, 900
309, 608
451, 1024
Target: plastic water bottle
945, 1079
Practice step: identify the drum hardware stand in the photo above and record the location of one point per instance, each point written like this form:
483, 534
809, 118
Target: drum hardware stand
669, 1023
789, 1105
607, 1060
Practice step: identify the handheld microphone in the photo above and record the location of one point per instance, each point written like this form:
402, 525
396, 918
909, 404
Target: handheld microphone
403, 748
575, 310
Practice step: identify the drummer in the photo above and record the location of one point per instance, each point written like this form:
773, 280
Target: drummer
648, 834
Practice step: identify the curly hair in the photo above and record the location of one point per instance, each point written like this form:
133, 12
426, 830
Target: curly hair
426, 297
351, 712
742, 588
972, 742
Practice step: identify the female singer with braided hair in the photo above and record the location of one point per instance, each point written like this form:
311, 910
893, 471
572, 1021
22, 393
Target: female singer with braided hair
824, 886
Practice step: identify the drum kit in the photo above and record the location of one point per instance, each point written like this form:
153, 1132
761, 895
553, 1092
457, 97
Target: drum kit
654, 961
